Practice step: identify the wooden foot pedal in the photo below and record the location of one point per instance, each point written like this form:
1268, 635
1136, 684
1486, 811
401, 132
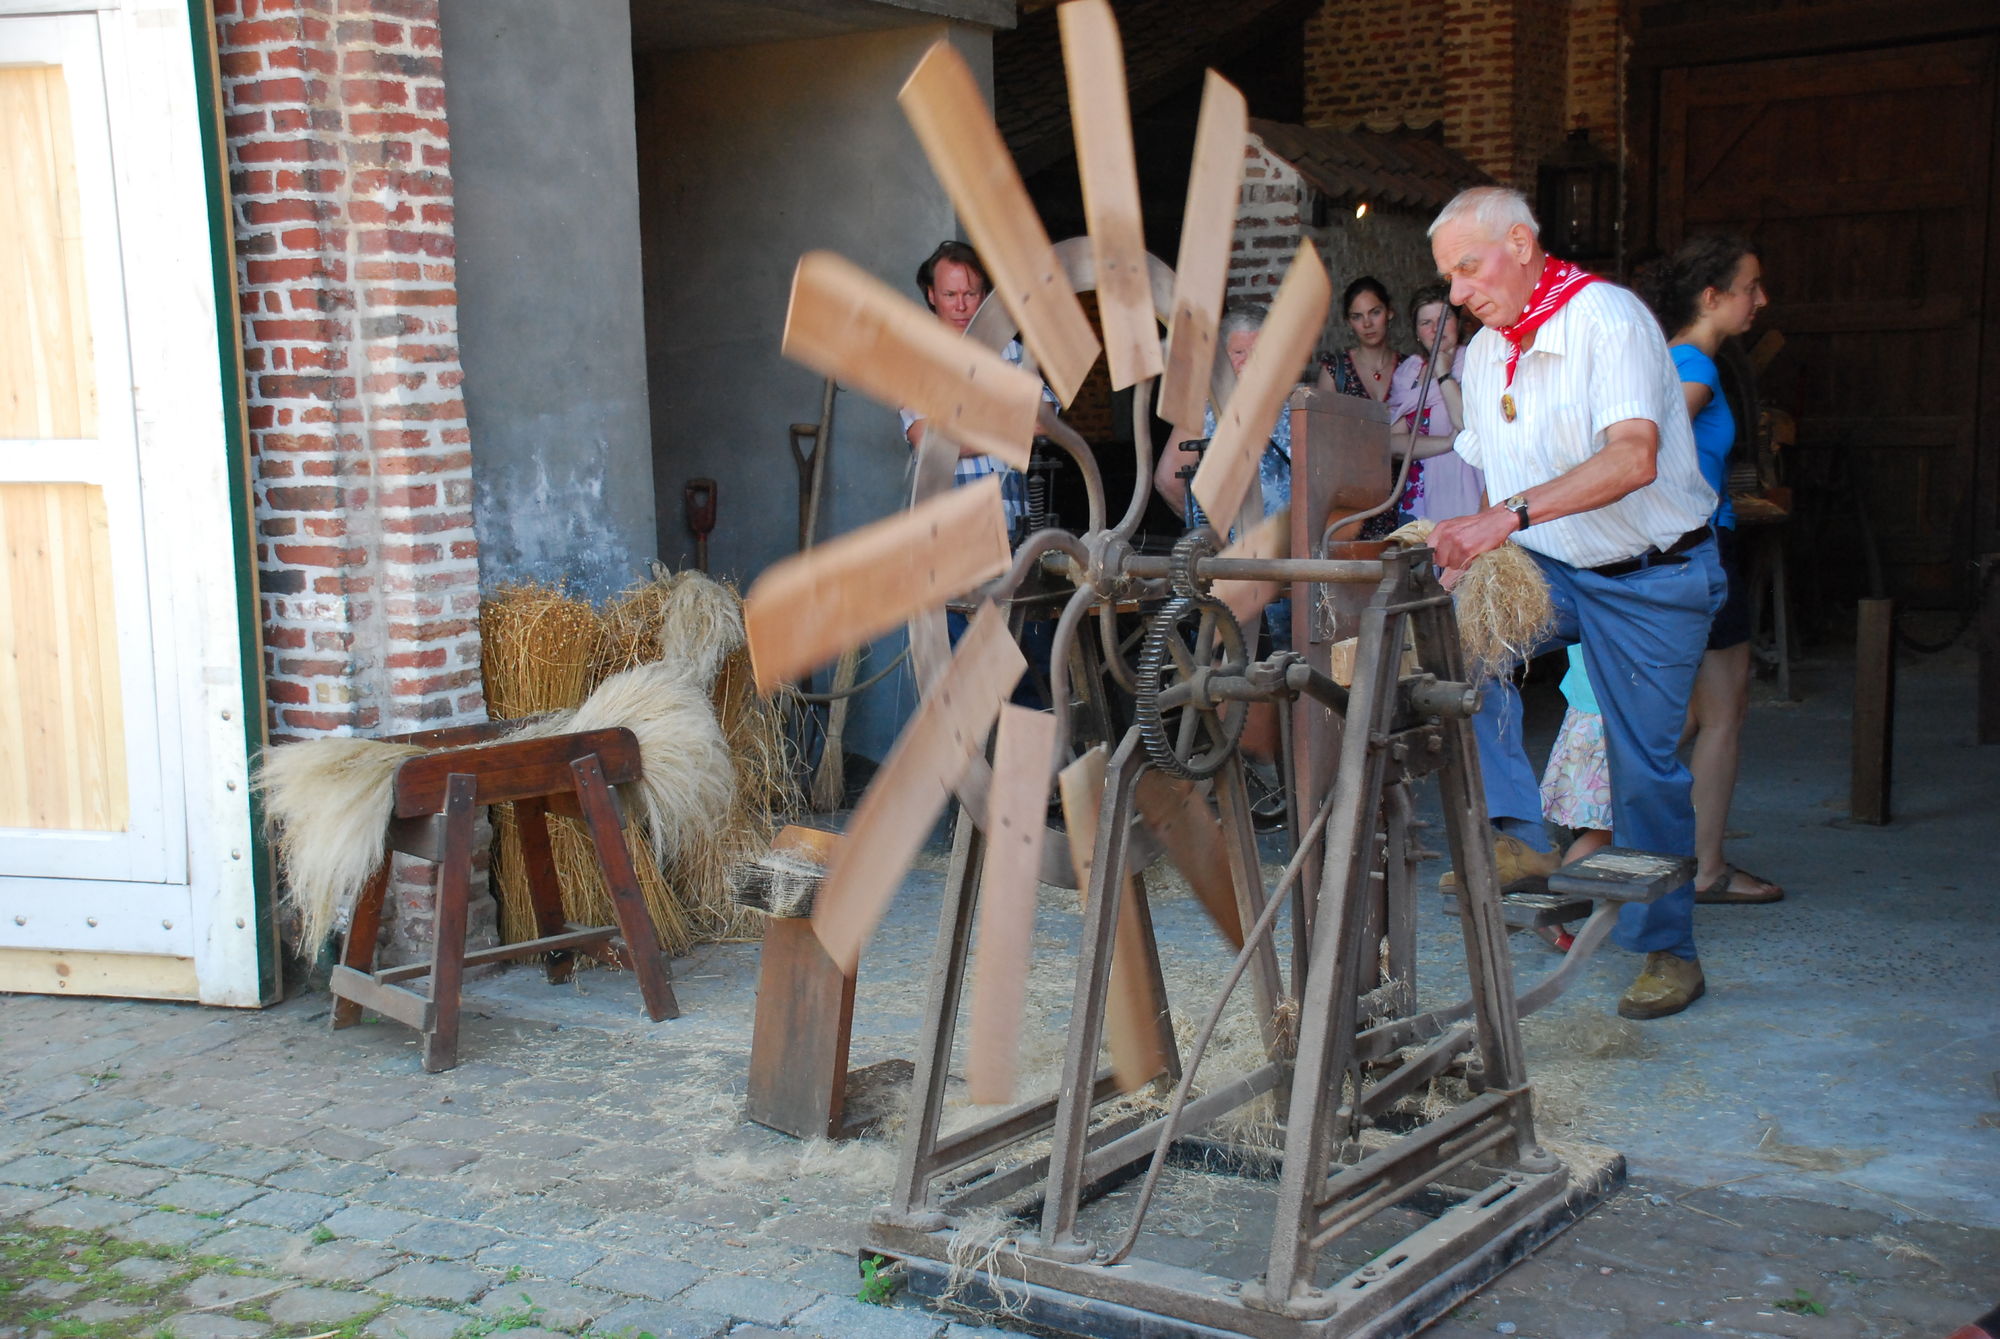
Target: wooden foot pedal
1609, 874
1619, 874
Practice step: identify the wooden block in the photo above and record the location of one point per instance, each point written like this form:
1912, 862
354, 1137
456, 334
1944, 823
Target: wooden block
1132, 1010
1244, 424
1102, 121
805, 610
1208, 227
849, 325
945, 107
907, 795
1192, 835
815, 844
1016, 807
799, 1042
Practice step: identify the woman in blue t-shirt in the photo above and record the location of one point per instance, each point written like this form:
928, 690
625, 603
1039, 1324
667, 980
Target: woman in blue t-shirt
1709, 291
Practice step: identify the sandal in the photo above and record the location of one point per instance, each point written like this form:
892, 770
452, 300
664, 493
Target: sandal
1720, 892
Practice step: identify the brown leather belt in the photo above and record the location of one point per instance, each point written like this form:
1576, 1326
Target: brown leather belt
1671, 556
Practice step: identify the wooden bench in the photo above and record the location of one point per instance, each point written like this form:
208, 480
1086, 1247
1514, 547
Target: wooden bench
437, 799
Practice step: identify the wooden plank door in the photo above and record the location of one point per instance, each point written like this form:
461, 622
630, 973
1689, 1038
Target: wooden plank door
1863, 177
126, 859
81, 765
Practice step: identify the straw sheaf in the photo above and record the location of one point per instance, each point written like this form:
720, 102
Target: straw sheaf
1502, 603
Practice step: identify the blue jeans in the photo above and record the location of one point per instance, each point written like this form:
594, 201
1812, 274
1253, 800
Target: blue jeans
1643, 635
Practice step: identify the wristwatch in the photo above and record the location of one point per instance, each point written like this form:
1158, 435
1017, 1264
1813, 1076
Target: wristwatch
1518, 504
1443, 377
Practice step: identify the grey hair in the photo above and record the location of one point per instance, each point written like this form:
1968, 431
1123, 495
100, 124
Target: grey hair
1493, 209
1236, 318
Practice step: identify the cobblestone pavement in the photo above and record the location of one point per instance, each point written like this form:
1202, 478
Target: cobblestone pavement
267, 1178
1814, 1144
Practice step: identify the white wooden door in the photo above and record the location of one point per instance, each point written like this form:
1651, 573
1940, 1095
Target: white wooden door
108, 623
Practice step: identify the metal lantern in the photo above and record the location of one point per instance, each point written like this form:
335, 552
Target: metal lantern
1578, 200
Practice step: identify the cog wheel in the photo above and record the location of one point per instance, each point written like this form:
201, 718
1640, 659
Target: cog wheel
1190, 549
1190, 637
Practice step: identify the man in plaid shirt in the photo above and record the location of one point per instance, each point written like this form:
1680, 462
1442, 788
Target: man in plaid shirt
954, 283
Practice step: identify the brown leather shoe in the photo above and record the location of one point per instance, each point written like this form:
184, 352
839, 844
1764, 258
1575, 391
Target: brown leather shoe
1515, 859
1669, 984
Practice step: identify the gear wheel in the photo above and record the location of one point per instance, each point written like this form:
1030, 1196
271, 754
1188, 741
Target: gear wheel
1190, 549
1189, 739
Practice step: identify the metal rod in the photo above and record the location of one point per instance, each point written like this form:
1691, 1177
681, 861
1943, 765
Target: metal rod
914, 1165
1350, 571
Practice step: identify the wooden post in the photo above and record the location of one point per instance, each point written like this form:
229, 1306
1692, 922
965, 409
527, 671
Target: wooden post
1874, 710
1989, 652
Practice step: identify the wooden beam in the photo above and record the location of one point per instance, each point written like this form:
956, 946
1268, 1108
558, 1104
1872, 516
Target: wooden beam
907, 795
1201, 274
1229, 466
1180, 817
805, 610
1016, 820
1132, 1010
944, 106
1109, 172
845, 323
1874, 710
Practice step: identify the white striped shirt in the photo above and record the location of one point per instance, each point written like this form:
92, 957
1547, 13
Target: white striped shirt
1598, 361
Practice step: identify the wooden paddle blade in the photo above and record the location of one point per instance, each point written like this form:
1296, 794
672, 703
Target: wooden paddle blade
907, 795
1133, 1010
1016, 809
1244, 424
1192, 835
849, 325
944, 106
1201, 274
1269, 538
1102, 120
805, 610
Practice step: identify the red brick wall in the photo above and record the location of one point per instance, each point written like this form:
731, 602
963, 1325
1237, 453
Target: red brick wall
1506, 80
1375, 63
1596, 59
342, 195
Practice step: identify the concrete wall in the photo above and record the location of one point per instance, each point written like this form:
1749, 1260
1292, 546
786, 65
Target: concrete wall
551, 322
750, 156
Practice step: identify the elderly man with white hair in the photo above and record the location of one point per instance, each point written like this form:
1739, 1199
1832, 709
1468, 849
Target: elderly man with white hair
1574, 411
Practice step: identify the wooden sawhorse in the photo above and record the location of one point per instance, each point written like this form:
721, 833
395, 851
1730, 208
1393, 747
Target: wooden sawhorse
437, 799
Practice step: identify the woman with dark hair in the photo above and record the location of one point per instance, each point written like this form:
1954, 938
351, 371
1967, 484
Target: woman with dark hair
1367, 366
1708, 292
1448, 485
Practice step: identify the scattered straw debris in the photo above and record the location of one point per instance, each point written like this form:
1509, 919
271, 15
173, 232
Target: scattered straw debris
1898, 1249
970, 1256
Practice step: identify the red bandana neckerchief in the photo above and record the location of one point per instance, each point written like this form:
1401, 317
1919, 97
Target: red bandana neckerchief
1560, 282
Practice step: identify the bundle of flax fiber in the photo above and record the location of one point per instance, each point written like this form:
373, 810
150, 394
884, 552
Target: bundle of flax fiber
1502, 603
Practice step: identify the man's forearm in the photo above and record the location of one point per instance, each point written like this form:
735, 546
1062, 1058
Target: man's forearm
1628, 461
